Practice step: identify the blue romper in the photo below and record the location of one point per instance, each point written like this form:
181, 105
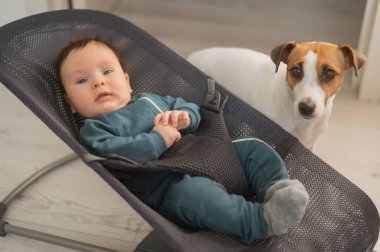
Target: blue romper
190, 201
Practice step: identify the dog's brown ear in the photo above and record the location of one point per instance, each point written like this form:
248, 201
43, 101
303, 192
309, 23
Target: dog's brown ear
281, 53
352, 57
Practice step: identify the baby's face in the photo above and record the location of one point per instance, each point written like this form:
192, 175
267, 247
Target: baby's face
94, 80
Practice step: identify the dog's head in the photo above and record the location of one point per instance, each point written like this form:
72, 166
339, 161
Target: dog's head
315, 72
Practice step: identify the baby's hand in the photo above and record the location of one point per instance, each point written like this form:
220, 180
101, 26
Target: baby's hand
169, 133
175, 118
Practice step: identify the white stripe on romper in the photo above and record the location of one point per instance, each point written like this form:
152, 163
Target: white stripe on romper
256, 139
152, 102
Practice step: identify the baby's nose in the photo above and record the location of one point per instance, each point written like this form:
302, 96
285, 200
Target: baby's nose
98, 82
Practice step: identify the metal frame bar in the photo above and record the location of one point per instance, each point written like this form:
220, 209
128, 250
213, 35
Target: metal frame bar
6, 228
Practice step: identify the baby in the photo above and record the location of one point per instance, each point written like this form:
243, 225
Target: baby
142, 127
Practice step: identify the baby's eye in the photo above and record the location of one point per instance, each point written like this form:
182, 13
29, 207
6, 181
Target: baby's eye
82, 81
108, 71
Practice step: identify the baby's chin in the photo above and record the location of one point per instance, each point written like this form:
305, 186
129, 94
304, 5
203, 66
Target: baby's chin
101, 111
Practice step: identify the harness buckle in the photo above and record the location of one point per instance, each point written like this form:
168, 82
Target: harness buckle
214, 99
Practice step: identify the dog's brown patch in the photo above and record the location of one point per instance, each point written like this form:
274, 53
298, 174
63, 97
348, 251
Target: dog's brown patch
333, 61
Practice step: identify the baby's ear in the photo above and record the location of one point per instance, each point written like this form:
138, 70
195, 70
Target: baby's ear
73, 110
128, 83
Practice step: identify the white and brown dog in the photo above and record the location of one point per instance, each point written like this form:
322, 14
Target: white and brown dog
299, 95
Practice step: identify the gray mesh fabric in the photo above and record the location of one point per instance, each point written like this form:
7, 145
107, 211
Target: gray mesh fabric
208, 152
340, 217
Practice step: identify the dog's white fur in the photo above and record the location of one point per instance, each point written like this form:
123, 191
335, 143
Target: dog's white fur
252, 76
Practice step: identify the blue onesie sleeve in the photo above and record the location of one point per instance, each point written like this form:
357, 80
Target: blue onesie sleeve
128, 131
103, 139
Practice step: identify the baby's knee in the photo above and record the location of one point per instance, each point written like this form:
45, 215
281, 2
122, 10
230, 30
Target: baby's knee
267, 154
254, 147
257, 154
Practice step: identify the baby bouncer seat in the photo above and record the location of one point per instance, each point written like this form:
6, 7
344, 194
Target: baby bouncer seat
340, 217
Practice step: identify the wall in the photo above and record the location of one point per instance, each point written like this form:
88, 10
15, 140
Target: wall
369, 85
16, 9
102, 5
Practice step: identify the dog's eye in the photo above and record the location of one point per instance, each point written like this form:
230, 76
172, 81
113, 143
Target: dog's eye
296, 72
328, 74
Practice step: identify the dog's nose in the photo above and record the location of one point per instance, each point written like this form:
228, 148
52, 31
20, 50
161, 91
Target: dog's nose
306, 109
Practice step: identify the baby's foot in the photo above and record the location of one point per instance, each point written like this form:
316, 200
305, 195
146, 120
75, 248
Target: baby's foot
281, 184
285, 204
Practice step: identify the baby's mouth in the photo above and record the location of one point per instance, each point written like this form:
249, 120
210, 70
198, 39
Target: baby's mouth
102, 94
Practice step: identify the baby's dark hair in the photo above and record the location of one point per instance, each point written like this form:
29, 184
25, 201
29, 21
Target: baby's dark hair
80, 43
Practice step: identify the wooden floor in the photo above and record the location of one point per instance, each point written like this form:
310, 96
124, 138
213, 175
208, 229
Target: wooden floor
74, 202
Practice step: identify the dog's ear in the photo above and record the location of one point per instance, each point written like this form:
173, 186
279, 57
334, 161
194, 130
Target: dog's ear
352, 57
281, 53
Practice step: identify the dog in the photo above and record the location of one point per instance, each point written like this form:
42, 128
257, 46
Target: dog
298, 95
